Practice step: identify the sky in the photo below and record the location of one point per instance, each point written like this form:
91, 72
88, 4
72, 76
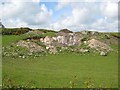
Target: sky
75, 15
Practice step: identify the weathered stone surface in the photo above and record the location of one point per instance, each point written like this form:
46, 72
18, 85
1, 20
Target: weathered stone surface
99, 46
103, 53
84, 50
31, 46
52, 49
69, 39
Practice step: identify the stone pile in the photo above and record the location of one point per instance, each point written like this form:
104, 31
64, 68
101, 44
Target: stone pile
31, 46
97, 45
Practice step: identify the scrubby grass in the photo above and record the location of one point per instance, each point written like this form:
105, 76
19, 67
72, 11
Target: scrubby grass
58, 70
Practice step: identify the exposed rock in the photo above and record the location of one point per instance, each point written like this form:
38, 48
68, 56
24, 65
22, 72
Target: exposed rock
99, 46
69, 39
31, 46
103, 53
84, 50
52, 49
47, 40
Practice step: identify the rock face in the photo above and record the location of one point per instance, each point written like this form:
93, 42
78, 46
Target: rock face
97, 45
31, 46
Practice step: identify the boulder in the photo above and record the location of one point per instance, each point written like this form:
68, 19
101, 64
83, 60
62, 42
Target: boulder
102, 53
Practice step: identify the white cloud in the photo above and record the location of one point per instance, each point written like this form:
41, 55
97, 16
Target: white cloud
28, 12
44, 15
37, 1
100, 16
62, 3
80, 15
105, 25
10, 9
109, 9
15, 23
83, 15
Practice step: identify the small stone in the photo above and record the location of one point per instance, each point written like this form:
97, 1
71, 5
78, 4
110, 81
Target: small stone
47, 48
103, 53
23, 56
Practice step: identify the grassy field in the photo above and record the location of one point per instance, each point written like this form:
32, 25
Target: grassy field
63, 70
59, 70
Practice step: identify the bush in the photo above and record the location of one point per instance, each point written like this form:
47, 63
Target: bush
15, 31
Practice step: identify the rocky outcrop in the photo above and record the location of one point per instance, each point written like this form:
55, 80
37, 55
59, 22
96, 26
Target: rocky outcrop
99, 46
31, 46
81, 41
69, 39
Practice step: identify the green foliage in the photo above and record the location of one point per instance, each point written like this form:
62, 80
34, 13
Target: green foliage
40, 44
45, 30
117, 35
84, 46
51, 34
14, 31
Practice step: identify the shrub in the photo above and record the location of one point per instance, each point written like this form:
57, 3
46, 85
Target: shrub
14, 31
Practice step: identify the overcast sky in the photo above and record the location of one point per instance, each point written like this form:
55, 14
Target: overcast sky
96, 15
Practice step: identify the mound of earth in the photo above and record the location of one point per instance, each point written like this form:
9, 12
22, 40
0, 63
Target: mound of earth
65, 31
83, 41
99, 46
31, 46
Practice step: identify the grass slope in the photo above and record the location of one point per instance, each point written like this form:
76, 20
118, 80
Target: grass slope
9, 39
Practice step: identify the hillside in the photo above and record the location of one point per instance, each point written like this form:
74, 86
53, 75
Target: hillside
47, 58
49, 41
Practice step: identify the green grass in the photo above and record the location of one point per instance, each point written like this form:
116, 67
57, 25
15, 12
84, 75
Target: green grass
58, 70
9, 39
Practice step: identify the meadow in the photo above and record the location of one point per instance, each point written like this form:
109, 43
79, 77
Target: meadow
59, 70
